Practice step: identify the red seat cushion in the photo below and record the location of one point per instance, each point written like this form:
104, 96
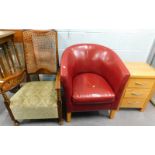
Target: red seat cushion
91, 88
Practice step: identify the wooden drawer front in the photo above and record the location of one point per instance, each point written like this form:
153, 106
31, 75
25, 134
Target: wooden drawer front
140, 83
137, 93
132, 103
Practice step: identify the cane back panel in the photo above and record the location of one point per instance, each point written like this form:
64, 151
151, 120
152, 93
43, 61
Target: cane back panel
41, 53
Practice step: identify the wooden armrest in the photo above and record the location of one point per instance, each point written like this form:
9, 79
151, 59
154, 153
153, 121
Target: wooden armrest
58, 83
1, 81
12, 81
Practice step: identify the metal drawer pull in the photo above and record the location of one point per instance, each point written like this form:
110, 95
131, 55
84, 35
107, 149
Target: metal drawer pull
136, 94
140, 84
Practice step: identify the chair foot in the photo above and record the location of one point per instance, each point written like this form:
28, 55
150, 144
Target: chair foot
69, 116
112, 114
60, 121
16, 123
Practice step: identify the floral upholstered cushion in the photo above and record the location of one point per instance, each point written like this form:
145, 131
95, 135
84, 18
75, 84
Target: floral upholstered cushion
35, 100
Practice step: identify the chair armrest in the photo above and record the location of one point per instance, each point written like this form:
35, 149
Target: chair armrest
12, 81
58, 83
118, 81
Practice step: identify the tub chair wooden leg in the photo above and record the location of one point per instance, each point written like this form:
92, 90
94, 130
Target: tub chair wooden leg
69, 114
112, 114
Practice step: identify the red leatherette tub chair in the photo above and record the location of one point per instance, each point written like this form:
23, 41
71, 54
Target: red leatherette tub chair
93, 78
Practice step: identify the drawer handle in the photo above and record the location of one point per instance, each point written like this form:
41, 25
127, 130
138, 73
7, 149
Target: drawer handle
140, 84
133, 102
136, 94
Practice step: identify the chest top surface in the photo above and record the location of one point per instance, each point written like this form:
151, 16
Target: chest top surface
140, 70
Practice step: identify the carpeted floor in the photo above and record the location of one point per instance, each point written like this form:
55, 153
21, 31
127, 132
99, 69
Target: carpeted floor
125, 117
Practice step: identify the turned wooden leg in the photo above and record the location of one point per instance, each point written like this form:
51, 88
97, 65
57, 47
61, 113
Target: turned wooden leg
59, 106
112, 114
69, 116
7, 103
142, 109
60, 119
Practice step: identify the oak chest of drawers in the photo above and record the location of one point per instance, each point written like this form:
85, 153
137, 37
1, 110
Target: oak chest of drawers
140, 86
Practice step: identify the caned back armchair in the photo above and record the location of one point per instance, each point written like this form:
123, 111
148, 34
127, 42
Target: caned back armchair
39, 99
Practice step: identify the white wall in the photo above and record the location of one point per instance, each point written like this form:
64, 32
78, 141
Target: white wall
130, 45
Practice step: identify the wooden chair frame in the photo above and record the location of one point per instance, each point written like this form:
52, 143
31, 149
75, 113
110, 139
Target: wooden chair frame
11, 78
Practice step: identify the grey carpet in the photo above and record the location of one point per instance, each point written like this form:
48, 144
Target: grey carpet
125, 117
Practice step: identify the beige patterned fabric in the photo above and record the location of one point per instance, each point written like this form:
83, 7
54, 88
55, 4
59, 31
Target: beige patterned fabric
40, 50
35, 100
